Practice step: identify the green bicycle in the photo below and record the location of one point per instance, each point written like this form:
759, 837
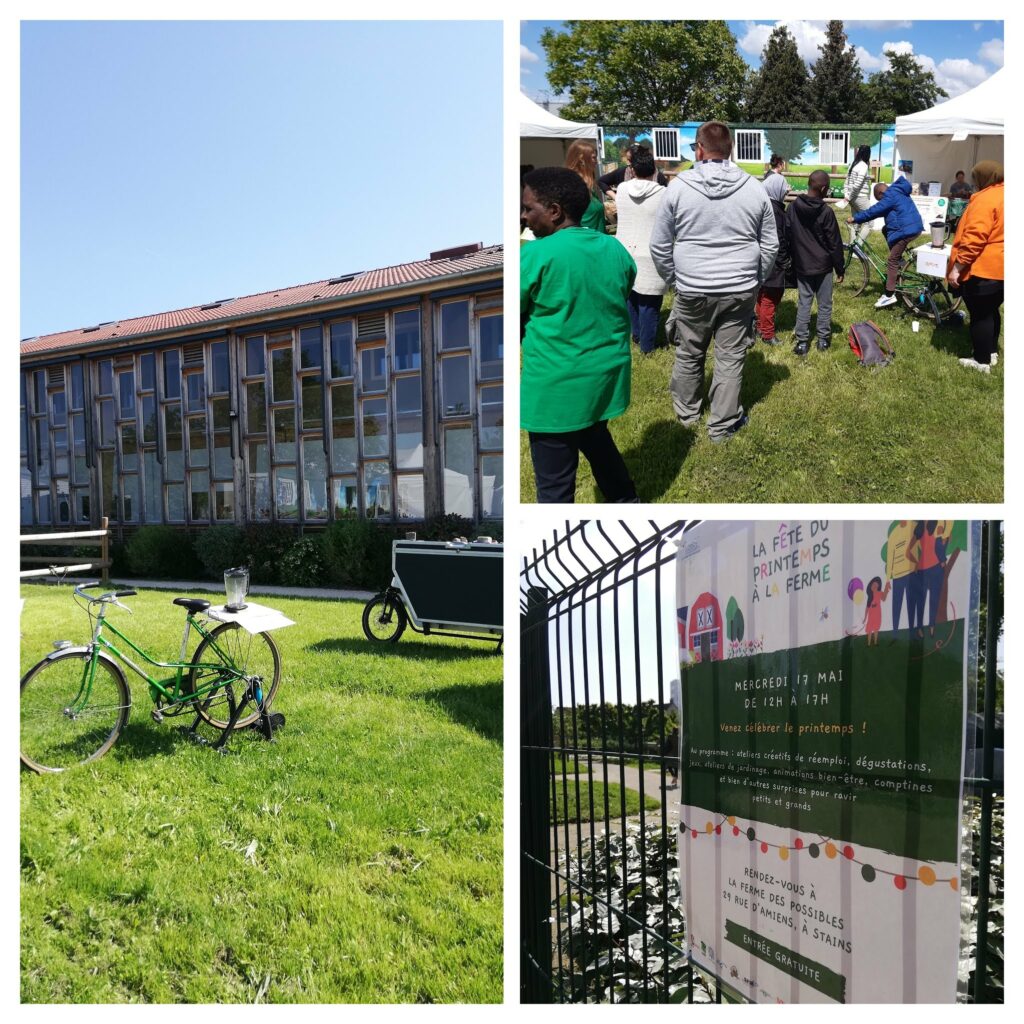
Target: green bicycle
920, 294
75, 701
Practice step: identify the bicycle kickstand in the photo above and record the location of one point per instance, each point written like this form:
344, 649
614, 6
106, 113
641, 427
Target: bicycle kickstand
234, 713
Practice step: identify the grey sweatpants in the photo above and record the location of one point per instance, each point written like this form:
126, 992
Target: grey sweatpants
808, 288
728, 319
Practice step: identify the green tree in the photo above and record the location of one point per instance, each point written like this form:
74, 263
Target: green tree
780, 91
836, 84
903, 88
788, 143
645, 72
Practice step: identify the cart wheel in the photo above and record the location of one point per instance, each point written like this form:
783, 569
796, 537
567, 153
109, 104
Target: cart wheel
384, 619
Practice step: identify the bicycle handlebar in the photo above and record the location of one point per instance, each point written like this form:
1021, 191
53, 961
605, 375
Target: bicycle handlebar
111, 596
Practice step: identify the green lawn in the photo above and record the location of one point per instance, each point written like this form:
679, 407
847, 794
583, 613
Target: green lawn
558, 813
358, 858
822, 429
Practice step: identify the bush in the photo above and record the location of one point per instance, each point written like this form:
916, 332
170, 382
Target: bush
264, 545
446, 528
219, 548
159, 552
358, 553
303, 564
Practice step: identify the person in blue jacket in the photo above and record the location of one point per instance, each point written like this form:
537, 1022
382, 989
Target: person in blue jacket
902, 225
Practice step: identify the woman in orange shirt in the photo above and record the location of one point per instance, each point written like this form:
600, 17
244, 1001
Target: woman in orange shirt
976, 263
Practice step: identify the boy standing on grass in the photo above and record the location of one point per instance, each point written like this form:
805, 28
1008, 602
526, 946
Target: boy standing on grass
573, 292
816, 249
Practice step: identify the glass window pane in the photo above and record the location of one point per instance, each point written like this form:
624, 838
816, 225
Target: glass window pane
407, 340
130, 498
40, 382
26, 493
409, 496
196, 392
200, 495
454, 325
60, 412
126, 391
409, 423
284, 435
151, 483
43, 501
492, 486
83, 507
221, 410
374, 367
223, 465
77, 386
314, 478
106, 421
129, 448
259, 480
147, 368
198, 454
377, 490
283, 389
311, 347
107, 479
42, 452
375, 426
254, 361
312, 402
256, 407
492, 350
286, 493
455, 385
346, 496
219, 358
492, 416
174, 453
341, 349
106, 378
63, 508
458, 471
172, 375
344, 453
224, 501
149, 429
176, 503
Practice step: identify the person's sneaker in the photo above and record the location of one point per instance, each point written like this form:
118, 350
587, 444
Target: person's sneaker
726, 434
885, 300
995, 358
773, 340
824, 346
983, 367
801, 348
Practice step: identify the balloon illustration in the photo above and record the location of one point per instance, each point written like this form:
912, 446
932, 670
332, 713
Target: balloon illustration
856, 584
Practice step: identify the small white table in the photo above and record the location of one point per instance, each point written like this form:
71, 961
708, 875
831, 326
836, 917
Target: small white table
253, 618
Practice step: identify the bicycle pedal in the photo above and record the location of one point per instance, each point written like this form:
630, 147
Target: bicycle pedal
277, 720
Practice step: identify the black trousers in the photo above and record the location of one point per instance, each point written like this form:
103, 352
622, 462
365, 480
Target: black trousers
556, 457
983, 298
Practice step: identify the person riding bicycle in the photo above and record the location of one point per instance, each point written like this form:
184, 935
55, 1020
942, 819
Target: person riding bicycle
903, 224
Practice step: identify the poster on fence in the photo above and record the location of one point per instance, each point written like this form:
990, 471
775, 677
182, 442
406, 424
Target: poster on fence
824, 669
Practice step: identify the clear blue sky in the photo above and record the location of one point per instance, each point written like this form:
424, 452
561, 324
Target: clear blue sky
962, 54
167, 164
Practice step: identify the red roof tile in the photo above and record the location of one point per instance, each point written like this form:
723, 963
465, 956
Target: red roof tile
298, 295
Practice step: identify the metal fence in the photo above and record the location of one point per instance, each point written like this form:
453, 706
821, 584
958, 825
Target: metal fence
599, 916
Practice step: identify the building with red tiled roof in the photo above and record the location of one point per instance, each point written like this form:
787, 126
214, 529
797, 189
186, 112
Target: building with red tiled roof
377, 392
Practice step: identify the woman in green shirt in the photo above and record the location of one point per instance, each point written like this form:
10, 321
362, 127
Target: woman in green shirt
582, 158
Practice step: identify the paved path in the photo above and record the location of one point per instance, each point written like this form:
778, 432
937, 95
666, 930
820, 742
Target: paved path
218, 587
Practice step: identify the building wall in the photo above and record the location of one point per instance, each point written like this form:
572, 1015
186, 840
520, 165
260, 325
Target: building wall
393, 413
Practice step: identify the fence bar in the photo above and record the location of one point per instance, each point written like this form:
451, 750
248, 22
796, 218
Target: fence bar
105, 549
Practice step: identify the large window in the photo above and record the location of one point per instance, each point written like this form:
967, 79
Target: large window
833, 147
748, 146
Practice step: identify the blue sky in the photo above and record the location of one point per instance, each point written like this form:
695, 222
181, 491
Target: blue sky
167, 164
962, 54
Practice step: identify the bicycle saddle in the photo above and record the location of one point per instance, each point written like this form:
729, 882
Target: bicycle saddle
192, 604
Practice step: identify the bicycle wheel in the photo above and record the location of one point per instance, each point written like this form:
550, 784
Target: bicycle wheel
65, 721
913, 288
943, 304
384, 619
855, 276
226, 652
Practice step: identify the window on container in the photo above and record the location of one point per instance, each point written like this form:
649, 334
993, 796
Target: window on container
375, 427
284, 435
224, 501
223, 468
314, 478
492, 351
458, 471
409, 501
344, 449
377, 490
220, 368
199, 491
346, 496
77, 387
198, 453
126, 391
256, 407
454, 325
129, 448
408, 422
492, 416
311, 348
106, 377
492, 486
172, 374
286, 493
407, 340
283, 385
255, 362
341, 349
196, 390
147, 371
259, 480
312, 402
374, 367
174, 454
455, 385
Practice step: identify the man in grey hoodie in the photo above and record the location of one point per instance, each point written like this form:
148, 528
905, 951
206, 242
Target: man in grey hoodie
714, 237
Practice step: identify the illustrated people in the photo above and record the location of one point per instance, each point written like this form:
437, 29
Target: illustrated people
873, 610
857, 190
902, 224
613, 179
816, 249
581, 157
637, 200
899, 569
929, 552
976, 263
774, 285
574, 287
961, 188
714, 236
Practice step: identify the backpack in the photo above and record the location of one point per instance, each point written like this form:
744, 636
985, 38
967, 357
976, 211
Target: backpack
870, 345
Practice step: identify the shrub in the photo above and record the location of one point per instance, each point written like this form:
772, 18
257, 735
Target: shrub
358, 553
303, 564
264, 545
219, 548
157, 551
447, 528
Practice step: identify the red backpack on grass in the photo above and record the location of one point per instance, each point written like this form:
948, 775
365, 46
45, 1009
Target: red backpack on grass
870, 345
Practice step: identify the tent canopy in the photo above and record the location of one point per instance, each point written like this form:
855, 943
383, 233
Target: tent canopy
544, 137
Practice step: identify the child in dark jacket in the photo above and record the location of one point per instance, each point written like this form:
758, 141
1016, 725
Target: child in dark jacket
902, 225
815, 249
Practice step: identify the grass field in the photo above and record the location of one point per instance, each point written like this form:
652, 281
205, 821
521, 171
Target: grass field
822, 429
614, 790
358, 858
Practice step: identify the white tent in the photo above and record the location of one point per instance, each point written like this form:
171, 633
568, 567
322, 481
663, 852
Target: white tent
953, 136
544, 137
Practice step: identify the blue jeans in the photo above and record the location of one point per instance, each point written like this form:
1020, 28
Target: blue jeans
643, 316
